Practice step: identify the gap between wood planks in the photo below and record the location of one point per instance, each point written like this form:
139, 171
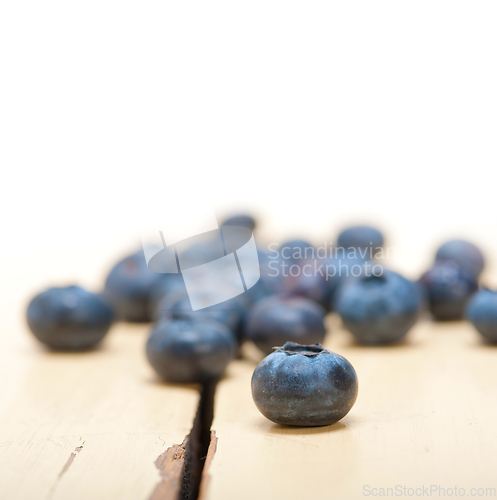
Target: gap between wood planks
184, 467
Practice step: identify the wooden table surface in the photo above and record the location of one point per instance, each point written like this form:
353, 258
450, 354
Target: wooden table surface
92, 425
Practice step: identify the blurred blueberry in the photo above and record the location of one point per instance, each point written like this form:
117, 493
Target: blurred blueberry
448, 288
304, 385
168, 285
308, 278
466, 254
69, 318
277, 265
270, 279
190, 350
482, 312
281, 318
339, 269
295, 250
243, 220
378, 309
367, 239
230, 313
200, 250
129, 286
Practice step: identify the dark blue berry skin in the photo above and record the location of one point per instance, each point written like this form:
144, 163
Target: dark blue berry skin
448, 289
466, 254
230, 313
282, 318
190, 351
379, 310
482, 312
70, 318
366, 238
243, 220
304, 385
129, 286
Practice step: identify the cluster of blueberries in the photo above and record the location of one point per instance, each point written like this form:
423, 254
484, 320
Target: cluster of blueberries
300, 382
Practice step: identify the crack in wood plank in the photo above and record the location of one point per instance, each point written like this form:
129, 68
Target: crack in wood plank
170, 465
64, 469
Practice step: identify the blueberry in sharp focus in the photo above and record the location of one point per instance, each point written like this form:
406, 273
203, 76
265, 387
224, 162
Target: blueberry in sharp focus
378, 307
366, 239
243, 220
190, 350
448, 288
304, 385
482, 312
128, 288
281, 318
69, 318
466, 254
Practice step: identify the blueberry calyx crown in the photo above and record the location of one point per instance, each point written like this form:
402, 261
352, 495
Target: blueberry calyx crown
292, 348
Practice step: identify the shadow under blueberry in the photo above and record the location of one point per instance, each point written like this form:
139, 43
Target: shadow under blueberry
49, 352
157, 381
280, 430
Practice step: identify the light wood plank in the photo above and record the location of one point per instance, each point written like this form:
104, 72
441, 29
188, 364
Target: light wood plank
426, 415
87, 425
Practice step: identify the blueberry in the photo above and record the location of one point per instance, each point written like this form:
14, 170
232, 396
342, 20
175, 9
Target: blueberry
468, 256
379, 307
270, 280
482, 312
230, 313
290, 270
338, 269
200, 249
170, 284
448, 288
129, 286
243, 220
281, 318
190, 350
295, 250
366, 239
308, 279
69, 318
304, 385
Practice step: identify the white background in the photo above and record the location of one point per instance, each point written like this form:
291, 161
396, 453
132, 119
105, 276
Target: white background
312, 114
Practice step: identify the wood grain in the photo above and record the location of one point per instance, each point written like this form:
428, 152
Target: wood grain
80, 426
92, 425
426, 415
